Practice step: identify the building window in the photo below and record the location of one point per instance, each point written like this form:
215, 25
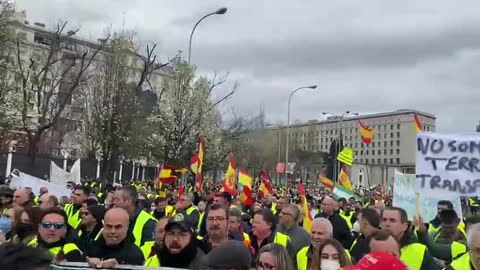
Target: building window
398, 151
373, 161
361, 160
391, 151
361, 152
385, 144
398, 142
373, 144
398, 161
384, 135
398, 126
391, 143
366, 152
384, 151
379, 160
384, 161
379, 152
398, 134
391, 161
391, 127
391, 135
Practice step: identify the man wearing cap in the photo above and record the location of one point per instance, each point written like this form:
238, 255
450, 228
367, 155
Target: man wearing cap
116, 245
180, 249
378, 261
91, 227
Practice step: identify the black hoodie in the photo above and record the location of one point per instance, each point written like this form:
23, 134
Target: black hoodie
125, 253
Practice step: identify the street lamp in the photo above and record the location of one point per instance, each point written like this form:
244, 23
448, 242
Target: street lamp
337, 142
288, 123
219, 11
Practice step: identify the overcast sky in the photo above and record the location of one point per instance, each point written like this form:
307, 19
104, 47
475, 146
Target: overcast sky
365, 56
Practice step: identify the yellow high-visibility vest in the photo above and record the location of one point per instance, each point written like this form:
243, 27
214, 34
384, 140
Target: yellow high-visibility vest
412, 255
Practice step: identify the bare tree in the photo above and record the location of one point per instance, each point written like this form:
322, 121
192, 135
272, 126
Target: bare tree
49, 73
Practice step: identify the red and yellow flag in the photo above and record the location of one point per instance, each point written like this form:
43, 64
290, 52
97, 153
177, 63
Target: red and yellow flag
265, 188
417, 125
327, 182
366, 133
307, 218
229, 181
344, 179
167, 175
245, 181
197, 163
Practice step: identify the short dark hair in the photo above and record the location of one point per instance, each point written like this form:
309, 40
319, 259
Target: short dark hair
268, 217
227, 196
401, 211
371, 216
447, 203
159, 200
84, 189
57, 211
359, 202
216, 206
343, 200
448, 217
130, 192
381, 236
20, 256
90, 202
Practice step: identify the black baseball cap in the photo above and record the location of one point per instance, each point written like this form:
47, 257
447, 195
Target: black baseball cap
183, 222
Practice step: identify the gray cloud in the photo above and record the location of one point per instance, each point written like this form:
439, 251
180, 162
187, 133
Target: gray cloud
365, 56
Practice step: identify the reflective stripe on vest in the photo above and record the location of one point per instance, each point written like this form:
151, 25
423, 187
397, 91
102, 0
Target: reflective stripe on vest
142, 219
462, 263
153, 262
412, 255
169, 211
354, 243
190, 210
458, 248
200, 220
147, 249
274, 208
80, 232
67, 248
347, 220
281, 239
302, 259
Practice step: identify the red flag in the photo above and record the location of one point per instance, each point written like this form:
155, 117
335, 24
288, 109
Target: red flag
167, 175
417, 125
197, 163
265, 187
229, 181
181, 189
246, 196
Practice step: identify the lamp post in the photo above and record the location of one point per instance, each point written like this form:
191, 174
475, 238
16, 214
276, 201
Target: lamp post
219, 11
120, 171
279, 140
288, 124
336, 165
11, 150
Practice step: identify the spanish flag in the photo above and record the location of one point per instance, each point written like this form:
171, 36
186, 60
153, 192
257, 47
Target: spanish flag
197, 163
366, 133
229, 181
307, 218
265, 188
417, 125
326, 181
344, 179
167, 175
245, 184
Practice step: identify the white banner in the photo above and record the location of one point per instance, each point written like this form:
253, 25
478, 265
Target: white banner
61, 177
448, 164
404, 197
24, 180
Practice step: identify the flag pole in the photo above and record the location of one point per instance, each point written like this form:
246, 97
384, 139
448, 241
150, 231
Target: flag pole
366, 166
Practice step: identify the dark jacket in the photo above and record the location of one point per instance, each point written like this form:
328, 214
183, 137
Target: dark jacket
341, 231
73, 256
257, 246
157, 215
86, 238
205, 245
359, 248
428, 263
125, 253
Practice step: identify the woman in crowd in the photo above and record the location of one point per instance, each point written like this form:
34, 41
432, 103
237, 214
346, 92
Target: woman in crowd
332, 256
274, 257
9, 218
26, 227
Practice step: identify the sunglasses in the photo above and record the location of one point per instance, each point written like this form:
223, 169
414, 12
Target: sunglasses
56, 225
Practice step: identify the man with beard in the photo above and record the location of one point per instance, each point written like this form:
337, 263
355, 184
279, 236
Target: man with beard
80, 194
180, 249
115, 246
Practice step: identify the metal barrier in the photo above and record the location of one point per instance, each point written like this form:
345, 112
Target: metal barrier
84, 266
